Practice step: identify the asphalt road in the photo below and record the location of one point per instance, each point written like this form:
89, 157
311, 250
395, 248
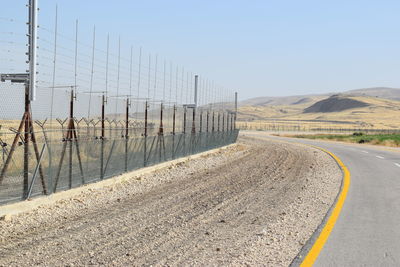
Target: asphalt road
367, 232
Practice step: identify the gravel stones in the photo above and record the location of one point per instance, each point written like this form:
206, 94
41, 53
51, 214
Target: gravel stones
253, 204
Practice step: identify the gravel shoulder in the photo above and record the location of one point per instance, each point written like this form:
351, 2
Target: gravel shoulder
253, 204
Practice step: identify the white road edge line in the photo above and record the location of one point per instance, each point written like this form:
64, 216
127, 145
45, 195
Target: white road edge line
363, 151
379, 157
397, 164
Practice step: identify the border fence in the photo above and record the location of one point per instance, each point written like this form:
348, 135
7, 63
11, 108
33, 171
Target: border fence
312, 127
97, 113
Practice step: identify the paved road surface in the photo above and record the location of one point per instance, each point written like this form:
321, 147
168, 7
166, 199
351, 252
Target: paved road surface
367, 232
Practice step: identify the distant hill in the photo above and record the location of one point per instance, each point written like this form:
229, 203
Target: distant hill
380, 92
281, 100
335, 103
377, 107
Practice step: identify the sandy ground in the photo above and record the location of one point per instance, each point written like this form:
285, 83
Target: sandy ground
254, 204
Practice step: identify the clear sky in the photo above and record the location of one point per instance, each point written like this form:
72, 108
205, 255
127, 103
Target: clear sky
258, 47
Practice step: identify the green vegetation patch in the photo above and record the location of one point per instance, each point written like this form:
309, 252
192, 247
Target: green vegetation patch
375, 139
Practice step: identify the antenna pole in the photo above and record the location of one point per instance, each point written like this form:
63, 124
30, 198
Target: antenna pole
76, 57
33, 10
92, 72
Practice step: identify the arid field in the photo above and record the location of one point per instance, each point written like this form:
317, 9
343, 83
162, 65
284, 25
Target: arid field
342, 111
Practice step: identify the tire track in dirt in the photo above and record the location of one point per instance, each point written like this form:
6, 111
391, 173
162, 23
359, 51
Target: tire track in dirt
209, 211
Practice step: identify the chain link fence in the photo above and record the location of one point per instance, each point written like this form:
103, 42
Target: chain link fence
120, 135
102, 108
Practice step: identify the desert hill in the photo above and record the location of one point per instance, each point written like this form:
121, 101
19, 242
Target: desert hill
284, 100
372, 107
379, 92
335, 103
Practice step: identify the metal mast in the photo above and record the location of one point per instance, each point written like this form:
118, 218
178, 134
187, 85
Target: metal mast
33, 10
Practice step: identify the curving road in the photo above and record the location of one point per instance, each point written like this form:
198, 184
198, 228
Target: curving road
367, 232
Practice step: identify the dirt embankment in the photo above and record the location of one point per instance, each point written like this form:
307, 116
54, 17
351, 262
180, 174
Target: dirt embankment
256, 204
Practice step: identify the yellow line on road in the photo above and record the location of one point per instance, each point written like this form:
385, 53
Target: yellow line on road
315, 250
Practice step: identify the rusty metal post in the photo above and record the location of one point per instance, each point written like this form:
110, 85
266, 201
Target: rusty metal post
236, 108
145, 135
219, 117
102, 137
184, 129
103, 116
223, 121
194, 121
70, 137
193, 135
232, 117
127, 118
184, 120
126, 133
213, 122
173, 131
26, 143
201, 121
161, 133
161, 129
228, 127
227, 121
207, 120
71, 117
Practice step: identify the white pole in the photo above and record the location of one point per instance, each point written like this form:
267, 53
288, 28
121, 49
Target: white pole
92, 72
76, 57
130, 73
54, 66
33, 10
108, 48
118, 74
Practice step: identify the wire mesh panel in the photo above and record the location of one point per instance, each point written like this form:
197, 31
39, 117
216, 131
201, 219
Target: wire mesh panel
72, 163
100, 109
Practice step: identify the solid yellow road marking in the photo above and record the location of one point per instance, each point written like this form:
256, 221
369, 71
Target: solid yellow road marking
326, 231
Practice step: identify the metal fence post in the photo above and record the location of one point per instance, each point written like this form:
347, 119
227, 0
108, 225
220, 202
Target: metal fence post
126, 133
173, 131
145, 135
102, 136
